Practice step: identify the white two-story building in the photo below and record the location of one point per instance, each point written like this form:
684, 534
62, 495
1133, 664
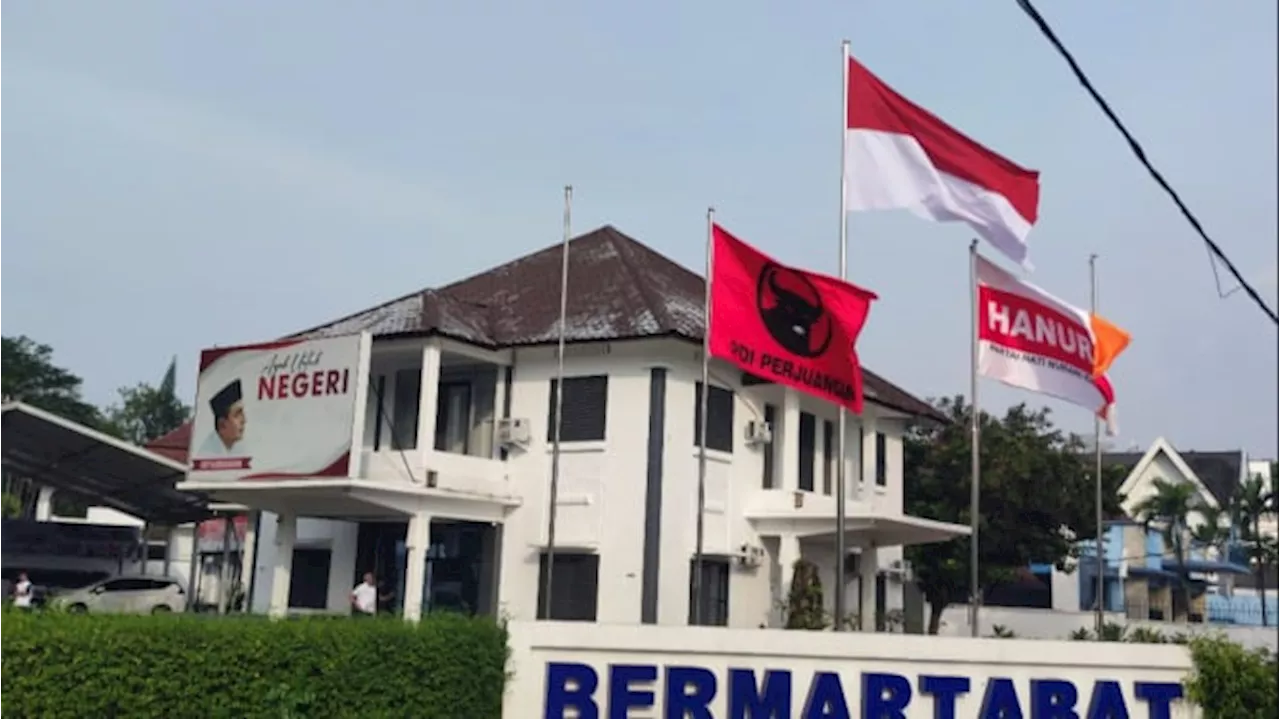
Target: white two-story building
447, 498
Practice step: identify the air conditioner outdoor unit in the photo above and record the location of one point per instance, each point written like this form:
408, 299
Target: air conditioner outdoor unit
759, 433
749, 556
513, 431
899, 568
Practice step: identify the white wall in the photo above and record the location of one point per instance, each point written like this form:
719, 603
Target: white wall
337, 536
602, 484
557, 664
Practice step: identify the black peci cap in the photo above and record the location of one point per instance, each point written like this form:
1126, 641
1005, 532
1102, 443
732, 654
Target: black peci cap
222, 401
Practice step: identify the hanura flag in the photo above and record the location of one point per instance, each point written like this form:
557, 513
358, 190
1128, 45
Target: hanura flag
788, 326
899, 156
1030, 339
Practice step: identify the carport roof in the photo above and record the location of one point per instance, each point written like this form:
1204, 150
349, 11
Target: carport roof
62, 454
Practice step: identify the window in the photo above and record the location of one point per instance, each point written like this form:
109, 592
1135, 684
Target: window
719, 418
404, 413
69, 504
808, 448
157, 552
379, 418
770, 418
828, 456
573, 594
126, 585
715, 592
881, 601
881, 464
583, 409
453, 417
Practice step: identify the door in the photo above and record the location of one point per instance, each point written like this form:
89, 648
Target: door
453, 417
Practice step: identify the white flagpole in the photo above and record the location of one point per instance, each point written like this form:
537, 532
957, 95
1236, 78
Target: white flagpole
842, 415
699, 523
975, 468
554, 491
1101, 563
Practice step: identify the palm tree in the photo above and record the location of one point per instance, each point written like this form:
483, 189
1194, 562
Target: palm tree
1211, 534
1256, 502
1168, 508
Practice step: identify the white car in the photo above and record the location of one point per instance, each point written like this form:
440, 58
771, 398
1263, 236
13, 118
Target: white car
127, 595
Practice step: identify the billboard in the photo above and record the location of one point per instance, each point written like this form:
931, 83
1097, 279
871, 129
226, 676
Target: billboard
277, 410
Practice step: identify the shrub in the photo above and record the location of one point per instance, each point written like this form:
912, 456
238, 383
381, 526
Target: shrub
61, 665
1231, 682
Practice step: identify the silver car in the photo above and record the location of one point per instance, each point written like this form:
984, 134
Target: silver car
126, 595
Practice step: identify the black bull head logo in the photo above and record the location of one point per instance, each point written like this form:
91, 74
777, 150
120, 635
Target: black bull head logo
795, 319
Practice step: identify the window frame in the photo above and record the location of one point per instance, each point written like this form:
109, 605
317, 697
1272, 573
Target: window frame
716, 583
580, 425
569, 602
808, 424
720, 434
882, 462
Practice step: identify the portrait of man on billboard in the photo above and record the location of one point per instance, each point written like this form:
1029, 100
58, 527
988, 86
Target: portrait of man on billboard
228, 424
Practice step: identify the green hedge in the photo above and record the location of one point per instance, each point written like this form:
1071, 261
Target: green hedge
61, 665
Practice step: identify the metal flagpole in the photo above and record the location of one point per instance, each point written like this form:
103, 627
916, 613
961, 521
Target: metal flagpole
975, 468
1101, 565
842, 415
699, 523
559, 405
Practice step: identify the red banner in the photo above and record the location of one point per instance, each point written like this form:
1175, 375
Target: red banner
786, 325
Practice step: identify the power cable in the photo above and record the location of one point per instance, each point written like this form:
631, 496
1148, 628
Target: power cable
1141, 154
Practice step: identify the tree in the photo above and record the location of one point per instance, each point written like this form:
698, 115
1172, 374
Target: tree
1255, 502
1211, 533
804, 601
1169, 508
146, 413
28, 374
1036, 493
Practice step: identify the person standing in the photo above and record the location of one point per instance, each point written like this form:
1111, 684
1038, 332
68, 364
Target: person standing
23, 593
364, 598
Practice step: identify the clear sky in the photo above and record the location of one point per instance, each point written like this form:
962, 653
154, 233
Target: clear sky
183, 174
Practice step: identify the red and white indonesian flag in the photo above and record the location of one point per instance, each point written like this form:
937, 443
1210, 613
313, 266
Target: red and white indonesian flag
900, 156
1030, 339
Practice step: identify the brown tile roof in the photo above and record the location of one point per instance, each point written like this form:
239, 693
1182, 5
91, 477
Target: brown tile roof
618, 289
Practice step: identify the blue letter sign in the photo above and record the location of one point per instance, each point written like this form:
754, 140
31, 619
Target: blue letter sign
688, 692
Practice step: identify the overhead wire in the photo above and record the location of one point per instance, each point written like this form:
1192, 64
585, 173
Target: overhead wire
1214, 250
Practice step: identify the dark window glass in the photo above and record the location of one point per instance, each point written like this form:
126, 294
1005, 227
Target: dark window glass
719, 418
770, 416
715, 592
881, 465
828, 456
808, 448
157, 552
582, 409
575, 588
404, 417
380, 419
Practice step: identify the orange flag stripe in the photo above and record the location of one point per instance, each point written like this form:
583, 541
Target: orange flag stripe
1109, 341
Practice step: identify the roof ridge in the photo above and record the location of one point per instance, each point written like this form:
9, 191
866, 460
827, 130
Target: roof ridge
652, 301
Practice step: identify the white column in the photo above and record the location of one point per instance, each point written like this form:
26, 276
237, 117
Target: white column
788, 555
429, 391
44, 504
416, 542
787, 461
286, 536
868, 426
249, 557
869, 567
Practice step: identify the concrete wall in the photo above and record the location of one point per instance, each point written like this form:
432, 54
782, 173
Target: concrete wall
1053, 624
557, 668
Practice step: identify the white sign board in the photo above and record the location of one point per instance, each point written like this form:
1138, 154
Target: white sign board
277, 410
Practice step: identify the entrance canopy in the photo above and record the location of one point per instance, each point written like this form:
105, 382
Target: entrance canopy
58, 453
